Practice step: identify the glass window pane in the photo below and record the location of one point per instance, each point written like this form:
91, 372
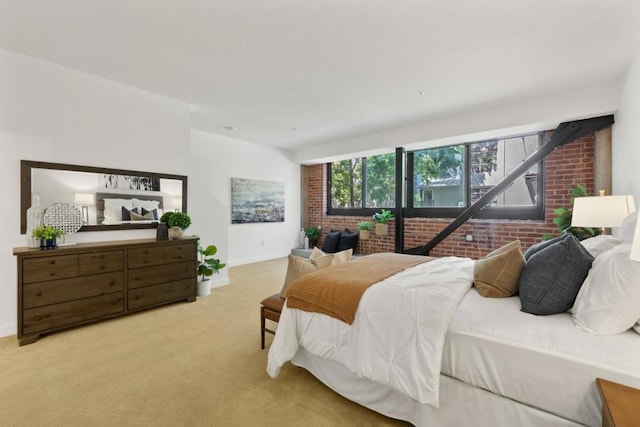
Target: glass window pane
493, 160
346, 184
380, 181
439, 177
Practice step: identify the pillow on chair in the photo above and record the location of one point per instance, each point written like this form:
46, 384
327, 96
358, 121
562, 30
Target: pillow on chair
330, 244
299, 266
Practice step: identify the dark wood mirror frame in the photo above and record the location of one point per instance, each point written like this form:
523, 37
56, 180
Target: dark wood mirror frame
25, 190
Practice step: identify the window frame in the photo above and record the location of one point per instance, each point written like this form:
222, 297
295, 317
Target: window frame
536, 212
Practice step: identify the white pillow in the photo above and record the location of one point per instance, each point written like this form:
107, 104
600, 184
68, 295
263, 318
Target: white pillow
147, 204
636, 327
599, 244
113, 209
628, 227
609, 301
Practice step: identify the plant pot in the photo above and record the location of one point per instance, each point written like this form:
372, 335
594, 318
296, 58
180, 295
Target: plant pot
204, 288
162, 232
364, 234
382, 229
175, 233
48, 243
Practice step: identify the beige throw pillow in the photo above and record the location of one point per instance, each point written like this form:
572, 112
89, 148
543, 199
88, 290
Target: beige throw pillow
299, 266
337, 258
497, 274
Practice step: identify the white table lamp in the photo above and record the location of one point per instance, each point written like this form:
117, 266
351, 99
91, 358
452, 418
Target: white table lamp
601, 211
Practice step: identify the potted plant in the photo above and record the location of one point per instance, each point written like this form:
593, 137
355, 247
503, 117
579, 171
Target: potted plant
177, 223
206, 267
313, 233
382, 219
364, 227
564, 215
47, 236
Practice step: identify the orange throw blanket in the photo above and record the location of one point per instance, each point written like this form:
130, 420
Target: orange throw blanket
336, 290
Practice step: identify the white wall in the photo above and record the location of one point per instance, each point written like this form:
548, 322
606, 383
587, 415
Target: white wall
214, 161
54, 114
626, 135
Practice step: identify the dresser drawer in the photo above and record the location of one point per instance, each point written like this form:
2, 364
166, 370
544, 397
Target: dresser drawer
159, 294
144, 257
161, 273
185, 252
100, 262
56, 291
70, 313
49, 268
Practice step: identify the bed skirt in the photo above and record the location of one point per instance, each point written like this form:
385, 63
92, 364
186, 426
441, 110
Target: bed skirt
460, 403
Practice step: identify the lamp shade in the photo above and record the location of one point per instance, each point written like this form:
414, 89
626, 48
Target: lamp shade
601, 211
83, 199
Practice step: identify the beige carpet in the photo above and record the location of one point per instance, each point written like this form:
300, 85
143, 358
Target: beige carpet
197, 364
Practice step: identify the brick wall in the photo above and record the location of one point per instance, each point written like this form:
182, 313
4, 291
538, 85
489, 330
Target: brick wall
566, 167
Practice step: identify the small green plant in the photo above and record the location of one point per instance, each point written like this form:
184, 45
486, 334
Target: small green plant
383, 217
176, 219
564, 215
313, 233
47, 232
207, 265
365, 225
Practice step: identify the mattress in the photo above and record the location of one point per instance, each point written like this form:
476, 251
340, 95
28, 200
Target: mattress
541, 361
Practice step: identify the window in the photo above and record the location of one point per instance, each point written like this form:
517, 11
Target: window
362, 183
439, 177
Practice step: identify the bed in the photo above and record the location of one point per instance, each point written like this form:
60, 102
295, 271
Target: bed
123, 208
493, 364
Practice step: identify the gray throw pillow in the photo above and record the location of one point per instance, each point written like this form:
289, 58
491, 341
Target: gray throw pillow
552, 277
540, 246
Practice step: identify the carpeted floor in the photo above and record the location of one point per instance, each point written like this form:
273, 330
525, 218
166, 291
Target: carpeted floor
197, 364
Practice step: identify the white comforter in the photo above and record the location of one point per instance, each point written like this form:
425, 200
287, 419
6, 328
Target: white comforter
398, 334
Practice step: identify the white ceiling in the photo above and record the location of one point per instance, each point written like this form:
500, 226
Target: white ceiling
292, 73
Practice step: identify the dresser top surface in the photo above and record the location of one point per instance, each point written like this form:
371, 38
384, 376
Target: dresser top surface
107, 245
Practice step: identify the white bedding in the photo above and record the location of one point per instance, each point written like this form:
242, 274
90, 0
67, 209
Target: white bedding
398, 333
543, 361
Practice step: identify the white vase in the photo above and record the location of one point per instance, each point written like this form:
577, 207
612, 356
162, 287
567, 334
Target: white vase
34, 219
175, 233
204, 288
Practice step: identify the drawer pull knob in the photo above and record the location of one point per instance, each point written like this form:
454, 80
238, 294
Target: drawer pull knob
39, 293
52, 274
113, 282
52, 262
179, 256
102, 267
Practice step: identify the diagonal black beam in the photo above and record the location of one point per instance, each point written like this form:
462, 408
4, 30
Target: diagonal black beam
564, 134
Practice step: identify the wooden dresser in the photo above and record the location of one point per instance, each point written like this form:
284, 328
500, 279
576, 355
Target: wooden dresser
73, 285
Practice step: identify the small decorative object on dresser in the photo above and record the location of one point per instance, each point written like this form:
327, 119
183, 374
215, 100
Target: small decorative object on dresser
88, 282
177, 223
47, 236
206, 267
313, 234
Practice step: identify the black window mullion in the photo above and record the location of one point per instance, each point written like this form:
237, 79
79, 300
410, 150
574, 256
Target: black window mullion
467, 173
363, 189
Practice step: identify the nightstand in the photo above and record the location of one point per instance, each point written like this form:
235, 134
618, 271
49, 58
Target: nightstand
620, 404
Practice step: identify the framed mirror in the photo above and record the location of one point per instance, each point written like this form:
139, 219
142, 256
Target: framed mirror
109, 199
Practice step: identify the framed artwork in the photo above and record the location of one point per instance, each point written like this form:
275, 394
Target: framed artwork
256, 201
127, 182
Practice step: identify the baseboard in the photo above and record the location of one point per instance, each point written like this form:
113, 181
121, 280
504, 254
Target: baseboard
236, 263
10, 329
219, 282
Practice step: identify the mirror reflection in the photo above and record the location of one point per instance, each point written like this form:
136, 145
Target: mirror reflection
109, 199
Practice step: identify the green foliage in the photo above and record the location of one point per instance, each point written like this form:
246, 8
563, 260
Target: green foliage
313, 233
346, 183
563, 218
176, 219
383, 217
207, 265
439, 163
47, 232
380, 176
365, 225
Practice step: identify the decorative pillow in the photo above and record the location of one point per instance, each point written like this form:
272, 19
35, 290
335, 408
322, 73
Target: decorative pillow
540, 246
342, 256
497, 274
330, 244
126, 213
299, 266
552, 277
147, 204
316, 253
113, 209
153, 212
609, 301
628, 227
636, 327
348, 240
137, 217
599, 244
